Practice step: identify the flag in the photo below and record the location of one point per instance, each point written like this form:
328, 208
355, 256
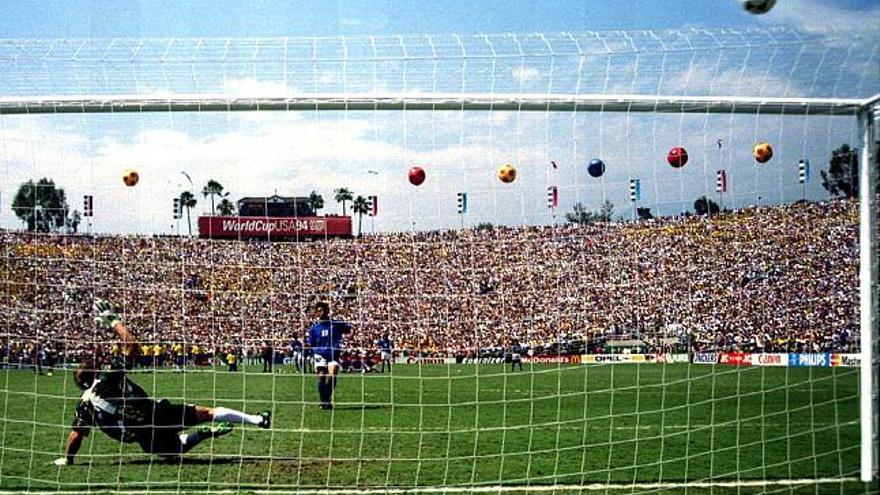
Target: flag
462, 202
721, 181
804, 171
635, 190
552, 197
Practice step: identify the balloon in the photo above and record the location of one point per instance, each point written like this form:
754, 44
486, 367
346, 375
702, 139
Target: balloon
677, 157
762, 152
416, 176
507, 173
596, 168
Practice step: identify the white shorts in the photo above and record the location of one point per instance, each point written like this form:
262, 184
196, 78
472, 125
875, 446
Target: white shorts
320, 362
515, 357
386, 356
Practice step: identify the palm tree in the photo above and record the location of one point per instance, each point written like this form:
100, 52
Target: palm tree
213, 188
188, 200
360, 206
580, 215
226, 207
316, 201
343, 195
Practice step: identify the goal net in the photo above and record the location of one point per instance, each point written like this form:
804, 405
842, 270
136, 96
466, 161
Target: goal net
571, 262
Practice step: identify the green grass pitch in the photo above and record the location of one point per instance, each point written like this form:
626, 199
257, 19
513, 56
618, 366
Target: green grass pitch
462, 425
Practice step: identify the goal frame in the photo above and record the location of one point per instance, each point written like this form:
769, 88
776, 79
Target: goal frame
867, 111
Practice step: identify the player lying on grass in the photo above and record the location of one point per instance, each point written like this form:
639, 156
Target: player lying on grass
123, 410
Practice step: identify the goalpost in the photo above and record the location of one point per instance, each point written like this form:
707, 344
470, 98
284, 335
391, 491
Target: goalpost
616, 314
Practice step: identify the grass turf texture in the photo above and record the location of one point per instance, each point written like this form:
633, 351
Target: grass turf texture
462, 425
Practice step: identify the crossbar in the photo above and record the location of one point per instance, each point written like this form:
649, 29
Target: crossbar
401, 102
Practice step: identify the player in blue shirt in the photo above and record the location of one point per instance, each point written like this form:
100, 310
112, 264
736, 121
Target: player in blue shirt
296, 354
385, 352
325, 341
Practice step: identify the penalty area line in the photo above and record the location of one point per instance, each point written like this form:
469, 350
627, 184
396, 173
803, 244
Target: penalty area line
589, 487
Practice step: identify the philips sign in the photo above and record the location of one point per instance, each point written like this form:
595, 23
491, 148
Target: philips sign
808, 360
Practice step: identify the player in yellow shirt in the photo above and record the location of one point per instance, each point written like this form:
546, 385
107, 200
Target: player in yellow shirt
179, 356
196, 352
158, 354
146, 352
232, 360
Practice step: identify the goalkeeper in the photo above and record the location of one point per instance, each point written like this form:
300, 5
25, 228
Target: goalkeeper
123, 410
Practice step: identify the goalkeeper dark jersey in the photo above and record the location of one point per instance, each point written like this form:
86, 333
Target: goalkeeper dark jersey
122, 410
116, 405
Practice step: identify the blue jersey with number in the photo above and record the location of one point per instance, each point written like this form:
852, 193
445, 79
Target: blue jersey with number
325, 338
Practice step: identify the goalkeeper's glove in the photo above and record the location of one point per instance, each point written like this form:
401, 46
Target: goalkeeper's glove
61, 461
106, 316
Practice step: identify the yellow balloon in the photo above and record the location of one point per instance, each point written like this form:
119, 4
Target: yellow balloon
507, 173
130, 178
762, 152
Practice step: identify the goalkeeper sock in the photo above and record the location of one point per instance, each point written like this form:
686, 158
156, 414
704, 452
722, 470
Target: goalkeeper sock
233, 416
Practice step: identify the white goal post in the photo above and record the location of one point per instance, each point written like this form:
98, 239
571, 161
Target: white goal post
868, 115
522, 76
865, 109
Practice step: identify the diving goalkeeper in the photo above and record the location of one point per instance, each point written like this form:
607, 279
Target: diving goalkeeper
123, 410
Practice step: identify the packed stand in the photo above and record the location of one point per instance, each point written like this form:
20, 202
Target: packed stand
771, 279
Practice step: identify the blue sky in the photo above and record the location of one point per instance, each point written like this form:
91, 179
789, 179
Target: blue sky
171, 18
293, 153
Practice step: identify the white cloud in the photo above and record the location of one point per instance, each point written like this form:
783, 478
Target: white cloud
351, 22
525, 74
821, 16
251, 87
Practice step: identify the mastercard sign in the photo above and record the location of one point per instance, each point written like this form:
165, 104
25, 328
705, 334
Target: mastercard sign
846, 360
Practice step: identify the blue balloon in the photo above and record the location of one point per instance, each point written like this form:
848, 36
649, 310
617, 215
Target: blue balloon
596, 168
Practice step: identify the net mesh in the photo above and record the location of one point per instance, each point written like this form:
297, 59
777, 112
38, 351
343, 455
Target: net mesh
624, 302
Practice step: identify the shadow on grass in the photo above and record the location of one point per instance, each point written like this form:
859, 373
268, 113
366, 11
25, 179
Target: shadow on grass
204, 461
359, 407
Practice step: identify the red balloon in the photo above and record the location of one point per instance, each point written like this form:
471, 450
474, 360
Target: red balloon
416, 176
677, 157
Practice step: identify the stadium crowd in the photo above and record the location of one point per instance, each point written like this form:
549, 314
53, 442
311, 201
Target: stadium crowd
765, 279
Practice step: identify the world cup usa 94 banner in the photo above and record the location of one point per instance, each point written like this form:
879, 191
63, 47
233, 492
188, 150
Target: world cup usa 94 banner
253, 227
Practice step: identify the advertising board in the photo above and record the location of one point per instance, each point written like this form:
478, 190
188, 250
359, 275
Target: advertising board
761, 359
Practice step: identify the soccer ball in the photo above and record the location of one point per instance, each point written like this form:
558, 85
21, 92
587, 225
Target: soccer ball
130, 178
762, 152
757, 6
507, 173
416, 176
677, 157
